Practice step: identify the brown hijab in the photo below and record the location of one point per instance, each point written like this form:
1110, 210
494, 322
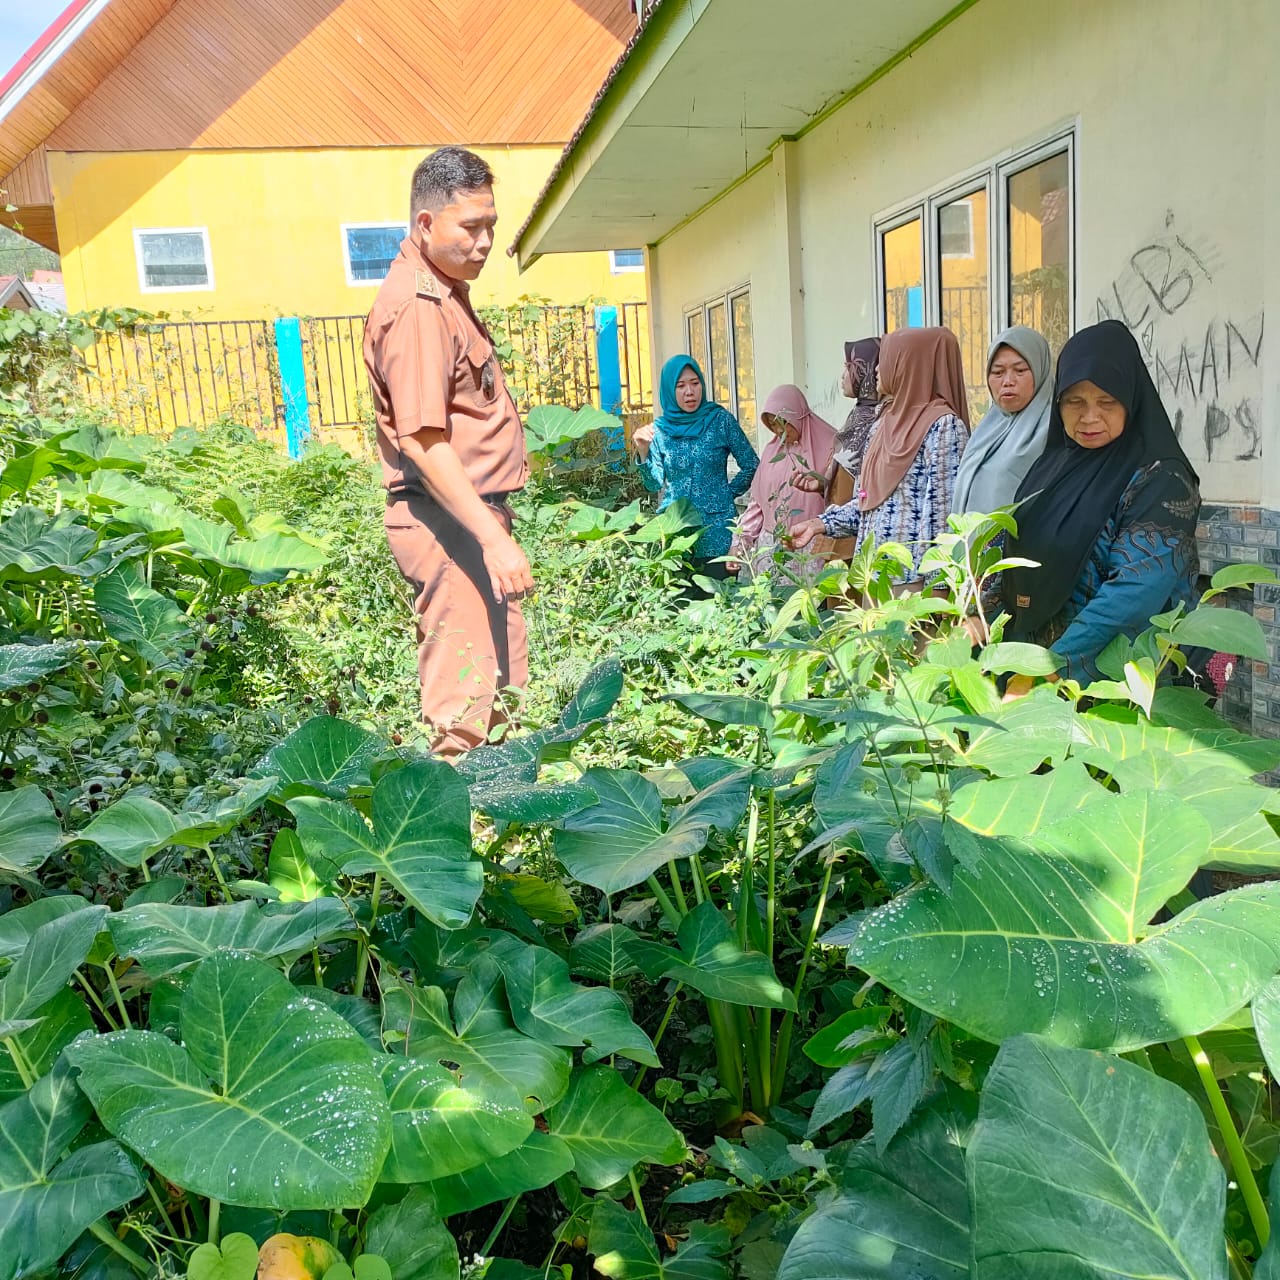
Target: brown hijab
922, 376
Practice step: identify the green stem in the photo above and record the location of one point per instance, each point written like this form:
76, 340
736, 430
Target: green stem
746, 886
362, 965
751, 1058
669, 908
1235, 1148
20, 1062
215, 1212
636, 1196
164, 1213
783, 1050
116, 1245
217, 872
772, 872
728, 1055
657, 1040
115, 991
501, 1222
92, 992
677, 887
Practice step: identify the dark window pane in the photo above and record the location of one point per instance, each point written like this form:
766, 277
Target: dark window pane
721, 386
173, 259
698, 341
371, 250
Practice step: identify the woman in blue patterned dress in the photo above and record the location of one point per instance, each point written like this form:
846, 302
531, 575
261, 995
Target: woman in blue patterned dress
685, 453
908, 472
1108, 512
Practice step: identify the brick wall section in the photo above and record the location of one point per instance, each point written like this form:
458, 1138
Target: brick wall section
1248, 535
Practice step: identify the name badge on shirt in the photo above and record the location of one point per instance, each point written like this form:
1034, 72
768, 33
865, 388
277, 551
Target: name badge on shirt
1024, 602
487, 377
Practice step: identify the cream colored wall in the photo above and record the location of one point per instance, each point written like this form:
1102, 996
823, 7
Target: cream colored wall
738, 243
274, 220
1174, 159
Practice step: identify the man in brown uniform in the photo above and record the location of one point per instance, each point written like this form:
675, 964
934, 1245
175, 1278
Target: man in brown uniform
452, 450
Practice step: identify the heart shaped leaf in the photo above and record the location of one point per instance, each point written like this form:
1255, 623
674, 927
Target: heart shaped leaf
324, 756
150, 624
412, 1237
29, 831
236, 1258
420, 840
271, 1100
55, 951
538, 1162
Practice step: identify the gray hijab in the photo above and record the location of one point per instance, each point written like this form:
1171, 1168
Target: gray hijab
1004, 445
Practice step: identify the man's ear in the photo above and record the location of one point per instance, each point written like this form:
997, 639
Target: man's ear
422, 221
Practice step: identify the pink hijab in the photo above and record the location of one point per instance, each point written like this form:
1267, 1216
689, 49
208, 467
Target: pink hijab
775, 500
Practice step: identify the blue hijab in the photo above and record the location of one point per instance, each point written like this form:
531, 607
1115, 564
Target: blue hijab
674, 422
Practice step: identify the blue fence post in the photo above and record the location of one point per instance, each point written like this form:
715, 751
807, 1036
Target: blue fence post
610, 367
293, 384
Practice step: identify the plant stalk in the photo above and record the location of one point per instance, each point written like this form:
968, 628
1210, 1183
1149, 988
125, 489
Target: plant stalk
669, 908
113, 1242
115, 991
1245, 1180
25, 1074
362, 965
637, 1197
501, 1222
215, 1212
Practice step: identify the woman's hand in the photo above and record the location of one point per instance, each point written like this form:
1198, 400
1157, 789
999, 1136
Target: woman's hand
804, 533
642, 438
1018, 687
977, 629
810, 482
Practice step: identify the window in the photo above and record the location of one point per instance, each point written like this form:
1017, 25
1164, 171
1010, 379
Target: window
988, 251
621, 260
368, 249
720, 340
173, 258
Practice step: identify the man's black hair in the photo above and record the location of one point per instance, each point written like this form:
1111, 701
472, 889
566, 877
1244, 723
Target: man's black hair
443, 174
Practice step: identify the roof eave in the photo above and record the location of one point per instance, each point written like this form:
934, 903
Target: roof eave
56, 39
655, 43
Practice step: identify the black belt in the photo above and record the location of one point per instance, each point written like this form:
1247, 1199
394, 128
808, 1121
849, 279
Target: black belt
498, 499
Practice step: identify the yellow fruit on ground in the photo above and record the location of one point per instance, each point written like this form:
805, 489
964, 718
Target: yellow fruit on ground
289, 1257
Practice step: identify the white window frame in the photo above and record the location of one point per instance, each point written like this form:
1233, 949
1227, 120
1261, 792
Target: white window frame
203, 232
703, 308
623, 269
968, 208
995, 175
393, 224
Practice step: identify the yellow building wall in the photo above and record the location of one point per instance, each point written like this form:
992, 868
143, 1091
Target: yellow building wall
275, 221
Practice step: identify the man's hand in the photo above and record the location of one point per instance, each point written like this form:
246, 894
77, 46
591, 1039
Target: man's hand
642, 438
509, 575
804, 533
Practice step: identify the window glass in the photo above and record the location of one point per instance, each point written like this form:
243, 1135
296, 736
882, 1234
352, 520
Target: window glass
744, 361
626, 260
173, 259
719, 386
902, 250
698, 340
965, 288
371, 251
1039, 229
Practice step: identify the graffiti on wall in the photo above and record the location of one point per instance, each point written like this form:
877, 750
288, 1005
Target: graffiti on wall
1204, 357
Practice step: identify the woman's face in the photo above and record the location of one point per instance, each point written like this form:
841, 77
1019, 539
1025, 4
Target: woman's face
688, 390
846, 382
1090, 416
1011, 381
778, 427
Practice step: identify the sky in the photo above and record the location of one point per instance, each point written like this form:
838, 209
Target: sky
21, 21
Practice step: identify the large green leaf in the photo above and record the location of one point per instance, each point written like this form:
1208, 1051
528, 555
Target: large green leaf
29, 831
289, 872
901, 1215
35, 546
548, 1007
1084, 1165
538, 1162
620, 841
135, 827
166, 937
487, 1051
1268, 1265
725, 708
271, 1100
412, 1237
1223, 630
439, 1127
55, 951
610, 1128
420, 840
57, 1023
1048, 937
1019, 736
1215, 744
324, 756
143, 620
21, 664
44, 1204
625, 1248
17, 926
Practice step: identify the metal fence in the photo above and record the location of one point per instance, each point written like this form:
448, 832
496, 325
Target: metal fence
159, 377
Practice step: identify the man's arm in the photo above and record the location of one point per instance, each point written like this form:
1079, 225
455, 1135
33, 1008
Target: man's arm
442, 475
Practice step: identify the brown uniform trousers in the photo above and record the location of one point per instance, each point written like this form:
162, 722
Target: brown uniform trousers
432, 367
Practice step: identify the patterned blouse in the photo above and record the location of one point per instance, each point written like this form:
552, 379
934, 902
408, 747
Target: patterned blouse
1145, 560
916, 512
696, 467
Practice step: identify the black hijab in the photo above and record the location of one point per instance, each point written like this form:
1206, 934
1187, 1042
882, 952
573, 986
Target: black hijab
1070, 492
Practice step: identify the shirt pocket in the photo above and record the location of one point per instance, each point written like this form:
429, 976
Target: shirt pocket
482, 366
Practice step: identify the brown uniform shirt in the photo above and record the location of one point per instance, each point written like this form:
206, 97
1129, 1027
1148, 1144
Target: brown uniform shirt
431, 364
